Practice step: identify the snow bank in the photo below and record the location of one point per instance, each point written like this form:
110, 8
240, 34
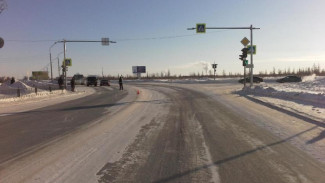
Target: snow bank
309, 78
42, 94
5, 87
298, 97
20, 85
41, 84
311, 84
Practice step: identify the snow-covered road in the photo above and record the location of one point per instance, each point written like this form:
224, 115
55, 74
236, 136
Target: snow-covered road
183, 132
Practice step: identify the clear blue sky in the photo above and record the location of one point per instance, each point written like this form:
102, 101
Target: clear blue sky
291, 34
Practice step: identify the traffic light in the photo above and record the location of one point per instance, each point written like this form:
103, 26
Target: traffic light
245, 62
241, 57
244, 50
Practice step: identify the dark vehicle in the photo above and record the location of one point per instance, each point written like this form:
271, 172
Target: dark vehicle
92, 80
289, 79
248, 79
104, 82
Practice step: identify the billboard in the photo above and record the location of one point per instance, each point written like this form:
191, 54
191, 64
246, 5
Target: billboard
138, 69
40, 75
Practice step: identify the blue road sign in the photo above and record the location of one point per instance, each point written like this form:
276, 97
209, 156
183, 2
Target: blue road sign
200, 28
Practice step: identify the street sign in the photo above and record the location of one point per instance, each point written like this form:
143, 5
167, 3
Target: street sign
250, 49
105, 41
67, 62
200, 28
250, 66
245, 41
2, 42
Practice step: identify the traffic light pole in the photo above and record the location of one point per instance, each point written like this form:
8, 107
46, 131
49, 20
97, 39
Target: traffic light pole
244, 76
251, 69
104, 41
251, 28
64, 66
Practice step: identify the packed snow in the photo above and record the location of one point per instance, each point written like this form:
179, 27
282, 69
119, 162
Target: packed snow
306, 97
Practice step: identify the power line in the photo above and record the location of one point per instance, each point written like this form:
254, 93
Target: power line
30, 41
121, 39
166, 37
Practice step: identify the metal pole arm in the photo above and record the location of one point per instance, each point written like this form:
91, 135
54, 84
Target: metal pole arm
193, 28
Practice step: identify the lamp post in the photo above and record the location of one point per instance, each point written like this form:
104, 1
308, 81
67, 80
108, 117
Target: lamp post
59, 63
51, 59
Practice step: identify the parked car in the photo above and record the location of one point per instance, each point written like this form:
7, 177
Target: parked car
248, 79
92, 80
289, 79
104, 82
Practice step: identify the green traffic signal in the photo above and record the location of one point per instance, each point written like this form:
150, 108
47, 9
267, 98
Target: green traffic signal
245, 62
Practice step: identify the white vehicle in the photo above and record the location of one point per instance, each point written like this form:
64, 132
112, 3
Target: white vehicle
79, 79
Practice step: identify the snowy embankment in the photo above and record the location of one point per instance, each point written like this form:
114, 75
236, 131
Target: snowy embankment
9, 92
306, 97
311, 90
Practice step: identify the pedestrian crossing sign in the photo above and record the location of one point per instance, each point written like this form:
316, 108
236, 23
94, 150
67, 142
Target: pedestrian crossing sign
251, 49
67, 62
200, 28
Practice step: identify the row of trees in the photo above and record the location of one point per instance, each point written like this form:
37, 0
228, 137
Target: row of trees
315, 69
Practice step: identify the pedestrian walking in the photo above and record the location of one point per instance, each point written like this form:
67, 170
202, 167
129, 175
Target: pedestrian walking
120, 81
72, 84
60, 82
12, 80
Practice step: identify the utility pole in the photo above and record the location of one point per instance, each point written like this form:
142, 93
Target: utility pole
200, 28
59, 67
64, 66
51, 67
251, 69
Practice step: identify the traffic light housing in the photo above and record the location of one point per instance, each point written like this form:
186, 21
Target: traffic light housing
244, 52
241, 57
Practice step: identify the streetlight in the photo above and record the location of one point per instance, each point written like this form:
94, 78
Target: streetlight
51, 59
59, 63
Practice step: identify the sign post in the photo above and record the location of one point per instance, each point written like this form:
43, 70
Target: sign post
245, 42
200, 28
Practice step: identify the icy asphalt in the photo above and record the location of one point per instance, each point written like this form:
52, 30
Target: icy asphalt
167, 133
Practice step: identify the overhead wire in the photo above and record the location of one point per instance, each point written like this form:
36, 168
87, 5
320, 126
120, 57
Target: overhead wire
121, 39
118, 40
165, 37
